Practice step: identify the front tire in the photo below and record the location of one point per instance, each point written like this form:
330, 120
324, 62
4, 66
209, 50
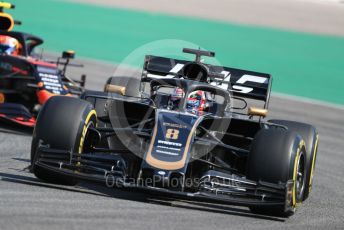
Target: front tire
278, 155
62, 124
311, 137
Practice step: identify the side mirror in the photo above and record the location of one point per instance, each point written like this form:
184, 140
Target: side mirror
253, 111
70, 54
115, 89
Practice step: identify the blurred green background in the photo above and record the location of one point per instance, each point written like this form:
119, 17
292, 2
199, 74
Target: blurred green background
302, 64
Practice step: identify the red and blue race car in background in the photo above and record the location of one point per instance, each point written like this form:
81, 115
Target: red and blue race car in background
26, 80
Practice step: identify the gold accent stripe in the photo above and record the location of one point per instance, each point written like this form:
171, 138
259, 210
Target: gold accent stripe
165, 164
296, 162
83, 134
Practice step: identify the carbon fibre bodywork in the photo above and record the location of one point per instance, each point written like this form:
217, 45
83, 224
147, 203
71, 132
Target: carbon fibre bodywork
155, 145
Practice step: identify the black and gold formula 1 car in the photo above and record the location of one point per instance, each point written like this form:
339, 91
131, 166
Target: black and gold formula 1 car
26, 80
150, 134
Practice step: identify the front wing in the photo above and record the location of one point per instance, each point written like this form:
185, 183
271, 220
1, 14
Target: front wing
109, 169
16, 114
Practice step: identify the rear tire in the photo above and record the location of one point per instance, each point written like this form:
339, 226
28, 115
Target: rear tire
278, 155
62, 123
310, 136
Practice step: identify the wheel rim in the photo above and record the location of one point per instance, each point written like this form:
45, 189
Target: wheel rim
300, 177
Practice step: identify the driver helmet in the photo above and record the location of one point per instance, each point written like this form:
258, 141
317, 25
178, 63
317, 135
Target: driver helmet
197, 101
9, 45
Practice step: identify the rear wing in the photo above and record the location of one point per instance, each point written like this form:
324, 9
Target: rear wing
241, 83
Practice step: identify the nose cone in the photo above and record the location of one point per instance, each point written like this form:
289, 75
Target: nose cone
171, 140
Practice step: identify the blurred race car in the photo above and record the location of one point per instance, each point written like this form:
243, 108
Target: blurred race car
26, 80
175, 131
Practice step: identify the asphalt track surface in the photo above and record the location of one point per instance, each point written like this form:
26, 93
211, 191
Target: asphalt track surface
27, 203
